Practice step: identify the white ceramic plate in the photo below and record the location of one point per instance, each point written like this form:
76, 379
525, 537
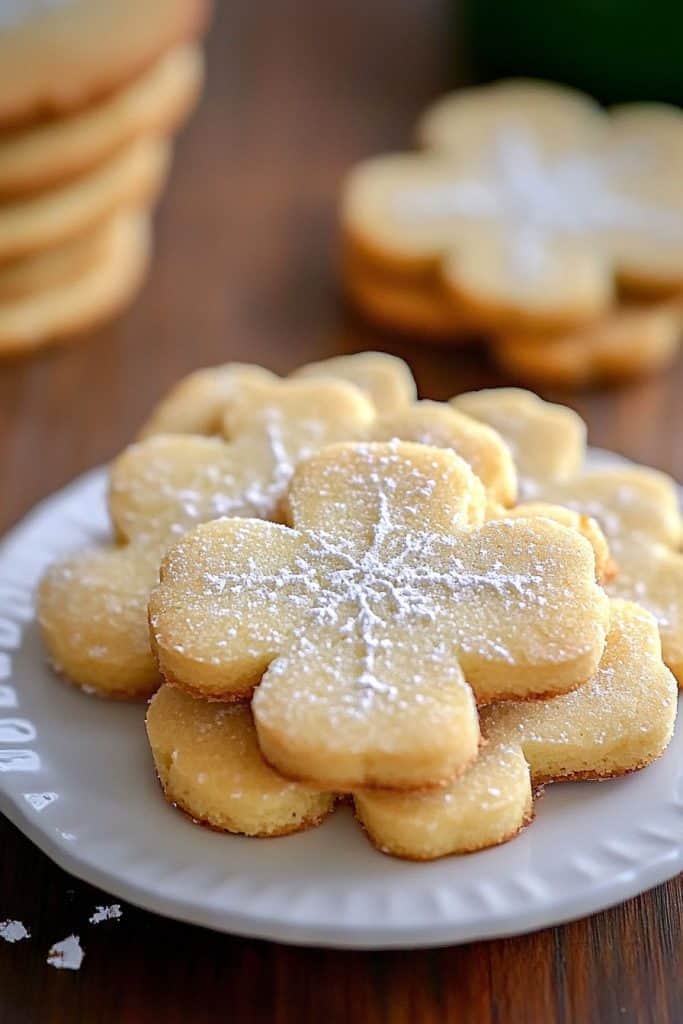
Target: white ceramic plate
76, 777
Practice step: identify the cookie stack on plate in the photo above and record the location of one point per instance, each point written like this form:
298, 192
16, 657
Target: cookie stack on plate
90, 95
335, 590
534, 219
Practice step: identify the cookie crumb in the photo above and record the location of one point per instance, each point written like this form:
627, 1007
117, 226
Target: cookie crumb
39, 801
13, 931
110, 913
66, 955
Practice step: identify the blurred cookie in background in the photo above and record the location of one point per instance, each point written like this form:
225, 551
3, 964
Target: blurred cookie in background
35, 223
57, 56
90, 95
632, 342
86, 295
410, 304
529, 216
45, 154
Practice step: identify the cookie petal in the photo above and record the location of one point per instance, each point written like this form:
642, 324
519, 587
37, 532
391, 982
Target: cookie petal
209, 765
619, 721
92, 610
547, 441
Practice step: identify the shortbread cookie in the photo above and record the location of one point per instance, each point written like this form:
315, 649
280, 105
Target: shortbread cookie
403, 309
371, 624
627, 500
211, 401
632, 342
54, 266
637, 508
209, 764
81, 303
163, 486
442, 426
529, 203
198, 404
93, 607
488, 804
131, 178
586, 525
547, 441
92, 610
619, 721
385, 379
43, 155
406, 306
558, 119
59, 55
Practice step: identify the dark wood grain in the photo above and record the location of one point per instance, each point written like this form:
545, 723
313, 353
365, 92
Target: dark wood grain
244, 270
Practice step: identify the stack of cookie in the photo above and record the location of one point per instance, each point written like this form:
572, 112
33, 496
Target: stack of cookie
89, 97
532, 218
333, 589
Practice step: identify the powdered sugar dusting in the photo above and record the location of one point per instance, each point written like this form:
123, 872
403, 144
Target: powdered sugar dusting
636, 514
629, 694
167, 488
160, 489
535, 196
368, 594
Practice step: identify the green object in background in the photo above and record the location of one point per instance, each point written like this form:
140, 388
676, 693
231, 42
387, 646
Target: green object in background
617, 50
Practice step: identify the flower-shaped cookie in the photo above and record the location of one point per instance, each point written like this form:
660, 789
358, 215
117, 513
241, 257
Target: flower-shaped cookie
638, 511
528, 205
385, 379
409, 305
199, 403
93, 606
637, 508
373, 623
569, 517
209, 764
547, 441
618, 722
632, 341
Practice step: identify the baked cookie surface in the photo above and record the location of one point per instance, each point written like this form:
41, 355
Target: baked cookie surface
547, 441
370, 624
209, 765
64, 308
619, 721
166, 484
198, 403
131, 178
632, 342
529, 205
92, 606
44, 155
59, 55
637, 508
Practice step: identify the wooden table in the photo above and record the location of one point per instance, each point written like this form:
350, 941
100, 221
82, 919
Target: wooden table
244, 270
